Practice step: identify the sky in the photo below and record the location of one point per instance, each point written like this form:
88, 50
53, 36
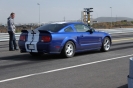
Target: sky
27, 11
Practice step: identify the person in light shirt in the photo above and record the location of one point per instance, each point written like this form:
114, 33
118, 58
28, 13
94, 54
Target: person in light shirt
11, 30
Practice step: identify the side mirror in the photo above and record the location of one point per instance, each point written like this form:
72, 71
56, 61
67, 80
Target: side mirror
91, 30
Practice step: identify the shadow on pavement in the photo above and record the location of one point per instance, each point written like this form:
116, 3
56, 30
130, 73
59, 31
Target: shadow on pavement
28, 57
54, 56
121, 48
46, 57
24, 59
124, 86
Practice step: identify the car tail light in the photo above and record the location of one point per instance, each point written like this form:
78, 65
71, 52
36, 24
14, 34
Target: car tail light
46, 39
22, 38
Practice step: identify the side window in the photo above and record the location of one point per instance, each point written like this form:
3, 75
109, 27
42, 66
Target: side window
86, 28
81, 28
69, 29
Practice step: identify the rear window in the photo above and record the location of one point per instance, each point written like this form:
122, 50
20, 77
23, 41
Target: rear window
52, 27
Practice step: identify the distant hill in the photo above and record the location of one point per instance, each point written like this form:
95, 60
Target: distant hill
114, 19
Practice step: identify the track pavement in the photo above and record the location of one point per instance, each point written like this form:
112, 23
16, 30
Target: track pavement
92, 69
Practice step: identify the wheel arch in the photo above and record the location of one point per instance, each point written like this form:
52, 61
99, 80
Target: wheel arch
63, 45
109, 39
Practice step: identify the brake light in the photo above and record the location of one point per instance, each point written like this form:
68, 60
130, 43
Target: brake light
45, 39
22, 38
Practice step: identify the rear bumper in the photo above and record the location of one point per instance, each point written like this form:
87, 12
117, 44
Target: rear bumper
40, 47
24, 51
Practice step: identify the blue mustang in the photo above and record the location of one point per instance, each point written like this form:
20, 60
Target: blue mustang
66, 38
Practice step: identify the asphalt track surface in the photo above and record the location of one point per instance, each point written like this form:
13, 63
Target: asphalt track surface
92, 69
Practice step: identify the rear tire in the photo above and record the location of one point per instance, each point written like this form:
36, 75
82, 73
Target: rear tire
106, 45
69, 49
36, 54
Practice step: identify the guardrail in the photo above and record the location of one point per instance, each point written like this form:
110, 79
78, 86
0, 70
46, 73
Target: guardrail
5, 36
130, 76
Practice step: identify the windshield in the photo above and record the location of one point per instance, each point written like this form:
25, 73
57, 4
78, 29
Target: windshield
52, 27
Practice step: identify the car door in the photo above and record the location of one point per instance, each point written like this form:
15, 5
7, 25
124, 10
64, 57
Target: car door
87, 40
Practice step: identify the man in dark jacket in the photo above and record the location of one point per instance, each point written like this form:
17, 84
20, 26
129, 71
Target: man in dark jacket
11, 31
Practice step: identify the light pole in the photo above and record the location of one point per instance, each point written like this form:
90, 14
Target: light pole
39, 12
111, 16
64, 18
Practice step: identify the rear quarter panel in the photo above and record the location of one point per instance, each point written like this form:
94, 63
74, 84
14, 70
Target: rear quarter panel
60, 39
21, 44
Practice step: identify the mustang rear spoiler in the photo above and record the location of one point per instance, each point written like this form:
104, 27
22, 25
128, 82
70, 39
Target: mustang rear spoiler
24, 31
41, 31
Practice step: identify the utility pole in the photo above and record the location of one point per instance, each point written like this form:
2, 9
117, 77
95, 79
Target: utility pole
111, 17
116, 18
64, 18
39, 12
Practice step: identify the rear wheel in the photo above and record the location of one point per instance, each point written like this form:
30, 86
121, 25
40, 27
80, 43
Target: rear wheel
106, 45
36, 54
69, 49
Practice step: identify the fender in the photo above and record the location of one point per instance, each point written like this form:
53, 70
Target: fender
66, 40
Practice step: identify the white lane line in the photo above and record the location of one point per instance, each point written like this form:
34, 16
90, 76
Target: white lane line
61, 69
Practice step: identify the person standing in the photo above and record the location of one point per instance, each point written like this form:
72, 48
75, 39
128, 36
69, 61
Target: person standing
11, 31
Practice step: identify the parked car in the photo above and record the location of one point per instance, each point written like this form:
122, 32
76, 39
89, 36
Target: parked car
66, 38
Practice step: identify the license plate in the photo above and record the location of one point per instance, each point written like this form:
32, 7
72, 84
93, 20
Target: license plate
31, 47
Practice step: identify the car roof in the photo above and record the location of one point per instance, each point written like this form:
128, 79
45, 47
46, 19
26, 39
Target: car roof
67, 23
